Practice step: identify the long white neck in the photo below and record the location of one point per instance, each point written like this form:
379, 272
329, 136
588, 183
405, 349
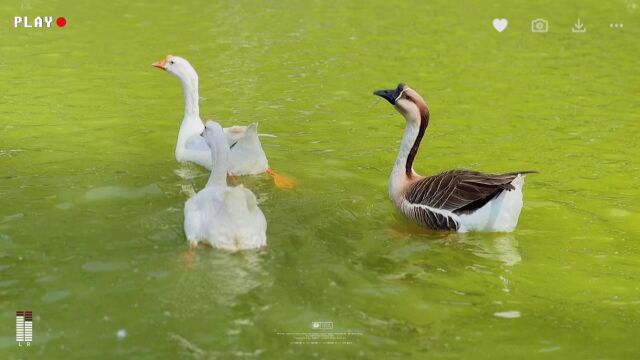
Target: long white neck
191, 97
409, 138
191, 123
398, 181
220, 159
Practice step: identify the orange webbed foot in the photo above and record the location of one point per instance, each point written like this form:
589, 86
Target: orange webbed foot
282, 181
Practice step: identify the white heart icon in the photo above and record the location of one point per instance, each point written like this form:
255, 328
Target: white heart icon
500, 24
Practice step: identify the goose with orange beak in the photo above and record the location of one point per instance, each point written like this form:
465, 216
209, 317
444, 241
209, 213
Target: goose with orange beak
455, 200
246, 155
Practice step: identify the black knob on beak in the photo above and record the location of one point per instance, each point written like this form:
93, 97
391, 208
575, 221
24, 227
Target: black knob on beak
391, 95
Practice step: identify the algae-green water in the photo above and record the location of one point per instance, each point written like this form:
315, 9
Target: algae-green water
91, 197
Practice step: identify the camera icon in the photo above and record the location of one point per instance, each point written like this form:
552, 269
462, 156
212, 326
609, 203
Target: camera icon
539, 26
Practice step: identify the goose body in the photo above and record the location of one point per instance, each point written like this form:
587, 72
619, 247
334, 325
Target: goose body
247, 158
246, 153
456, 200
221, 216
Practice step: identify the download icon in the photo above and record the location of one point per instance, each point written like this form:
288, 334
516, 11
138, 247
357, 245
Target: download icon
578, 27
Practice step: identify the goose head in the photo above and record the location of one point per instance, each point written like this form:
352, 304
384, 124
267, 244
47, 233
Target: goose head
406, 101
213, 134
178, 67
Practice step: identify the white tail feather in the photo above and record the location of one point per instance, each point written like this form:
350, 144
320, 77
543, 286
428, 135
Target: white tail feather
499, 214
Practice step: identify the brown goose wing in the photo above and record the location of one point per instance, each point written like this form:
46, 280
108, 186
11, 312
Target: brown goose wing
459, 191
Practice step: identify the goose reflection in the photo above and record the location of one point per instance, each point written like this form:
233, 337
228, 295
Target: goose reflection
499, 247
214, 279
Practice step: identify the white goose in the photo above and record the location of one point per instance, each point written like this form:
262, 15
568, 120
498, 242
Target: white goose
222, 216
461, 200
247, 156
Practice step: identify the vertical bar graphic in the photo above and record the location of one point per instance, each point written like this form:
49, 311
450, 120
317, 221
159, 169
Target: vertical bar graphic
19, 326
28, 322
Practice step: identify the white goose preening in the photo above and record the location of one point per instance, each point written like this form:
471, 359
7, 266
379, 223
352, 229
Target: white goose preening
461, 200
247, 156
222, 216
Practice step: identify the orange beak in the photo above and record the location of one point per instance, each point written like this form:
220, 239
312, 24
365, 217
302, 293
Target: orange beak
160, 64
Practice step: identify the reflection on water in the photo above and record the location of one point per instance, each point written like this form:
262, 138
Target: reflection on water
212, 278
91, 198
190, 349
513, 314
502, 247
189, 172
121, 192
498, 247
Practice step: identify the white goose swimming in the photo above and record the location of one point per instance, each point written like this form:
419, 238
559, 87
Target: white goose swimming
247, 156
461, 200
222, 216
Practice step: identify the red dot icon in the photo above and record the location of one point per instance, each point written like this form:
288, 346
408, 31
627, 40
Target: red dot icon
61, 22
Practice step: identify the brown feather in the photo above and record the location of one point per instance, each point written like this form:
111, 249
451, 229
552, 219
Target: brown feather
424, 122
459, 191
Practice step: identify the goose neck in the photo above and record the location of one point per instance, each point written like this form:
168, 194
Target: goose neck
191, 97
404, 161
220, 161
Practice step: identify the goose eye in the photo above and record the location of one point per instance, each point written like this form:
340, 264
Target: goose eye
171, 62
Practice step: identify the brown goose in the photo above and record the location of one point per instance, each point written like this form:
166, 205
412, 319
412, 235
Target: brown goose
461, 200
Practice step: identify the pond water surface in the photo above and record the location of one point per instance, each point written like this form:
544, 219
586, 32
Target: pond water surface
91, 197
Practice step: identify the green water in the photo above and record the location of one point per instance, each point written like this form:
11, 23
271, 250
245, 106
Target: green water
91, 197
